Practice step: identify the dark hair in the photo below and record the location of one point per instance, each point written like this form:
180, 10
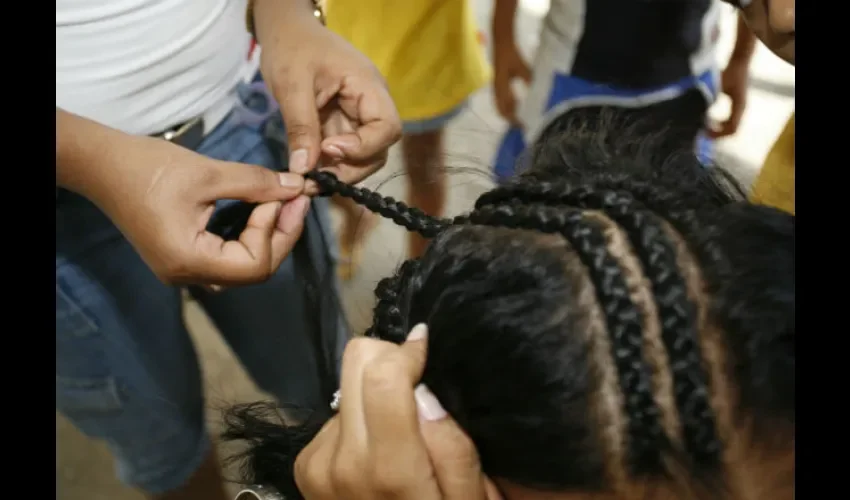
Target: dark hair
646, 312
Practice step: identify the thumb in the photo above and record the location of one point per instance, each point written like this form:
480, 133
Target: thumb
453, 455
301, 118
239, 181
525, 72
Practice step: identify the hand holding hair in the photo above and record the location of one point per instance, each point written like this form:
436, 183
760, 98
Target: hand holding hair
391, 437
334, 102
162, 196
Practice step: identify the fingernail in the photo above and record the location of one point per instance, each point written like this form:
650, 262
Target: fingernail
298, 161
333, 150
429, 408
418, 332
290, 180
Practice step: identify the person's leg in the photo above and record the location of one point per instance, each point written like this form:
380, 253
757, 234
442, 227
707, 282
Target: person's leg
422, 149
126, 370
287, 330
357, 223
423, 161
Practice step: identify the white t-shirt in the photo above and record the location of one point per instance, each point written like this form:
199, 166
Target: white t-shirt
143, 66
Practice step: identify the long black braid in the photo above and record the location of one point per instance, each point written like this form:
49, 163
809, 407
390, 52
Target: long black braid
388, 323
677, 312
410, 218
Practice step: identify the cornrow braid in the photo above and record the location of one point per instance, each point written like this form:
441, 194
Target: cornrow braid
623, 318
410, 218
677, 311
655, 198
388, 322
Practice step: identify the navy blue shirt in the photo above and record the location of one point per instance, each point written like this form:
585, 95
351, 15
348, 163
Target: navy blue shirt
637, 44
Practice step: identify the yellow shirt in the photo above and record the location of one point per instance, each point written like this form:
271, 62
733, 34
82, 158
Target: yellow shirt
429, 51
774, 185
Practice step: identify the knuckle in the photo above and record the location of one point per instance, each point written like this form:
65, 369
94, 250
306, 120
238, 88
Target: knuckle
347, 474
358, 349
299, 129
388, 479
382, 375
176, 269
462, 450
209, 177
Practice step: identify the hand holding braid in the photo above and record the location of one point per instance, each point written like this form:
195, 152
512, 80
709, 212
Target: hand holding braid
410, 218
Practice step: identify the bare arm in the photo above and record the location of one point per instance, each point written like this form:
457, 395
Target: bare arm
745, 42
86, 153
503, 19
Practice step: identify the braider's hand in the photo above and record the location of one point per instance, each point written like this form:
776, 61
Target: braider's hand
333, 100
389, 439
162, 196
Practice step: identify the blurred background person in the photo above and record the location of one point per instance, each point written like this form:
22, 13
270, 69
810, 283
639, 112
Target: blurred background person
432, 56
774, 21
654, 62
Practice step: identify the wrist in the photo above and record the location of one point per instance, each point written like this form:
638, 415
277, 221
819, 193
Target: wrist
85, 153
268, 17
740, 60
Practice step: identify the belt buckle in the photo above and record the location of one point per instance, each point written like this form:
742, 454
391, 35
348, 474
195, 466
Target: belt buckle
188, 135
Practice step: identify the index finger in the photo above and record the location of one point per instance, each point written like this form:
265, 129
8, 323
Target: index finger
297, 97
368, 102
389, 405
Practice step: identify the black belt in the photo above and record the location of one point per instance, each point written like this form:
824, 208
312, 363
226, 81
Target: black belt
188, 134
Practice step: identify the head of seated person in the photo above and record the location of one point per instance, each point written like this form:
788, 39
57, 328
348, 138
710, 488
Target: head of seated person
607, 325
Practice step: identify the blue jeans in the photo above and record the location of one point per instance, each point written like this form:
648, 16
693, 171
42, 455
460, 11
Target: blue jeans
126, 369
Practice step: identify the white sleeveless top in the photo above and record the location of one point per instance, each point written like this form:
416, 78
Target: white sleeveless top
143, 66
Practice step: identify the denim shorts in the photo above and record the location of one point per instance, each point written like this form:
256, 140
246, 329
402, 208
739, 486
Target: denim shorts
127, 372
432, 124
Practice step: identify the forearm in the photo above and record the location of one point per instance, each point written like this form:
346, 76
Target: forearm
84, 153
271, 15
745, 42
503, 19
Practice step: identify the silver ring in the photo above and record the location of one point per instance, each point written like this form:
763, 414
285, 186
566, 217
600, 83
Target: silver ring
335, 401
259, 492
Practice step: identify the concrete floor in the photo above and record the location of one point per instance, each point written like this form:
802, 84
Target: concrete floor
84, 469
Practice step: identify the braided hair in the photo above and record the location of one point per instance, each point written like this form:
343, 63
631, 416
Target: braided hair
545, 207
538, 326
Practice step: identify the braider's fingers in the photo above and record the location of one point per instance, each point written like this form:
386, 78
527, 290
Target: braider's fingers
399, 459
455, 460
247, 260
351, 462
312, 469
368, 103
